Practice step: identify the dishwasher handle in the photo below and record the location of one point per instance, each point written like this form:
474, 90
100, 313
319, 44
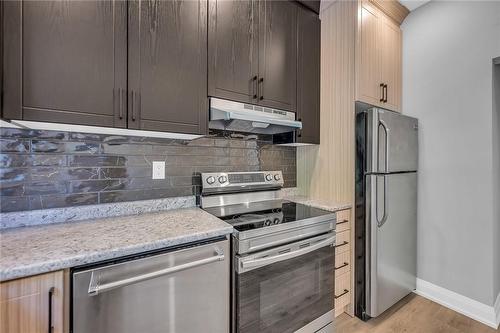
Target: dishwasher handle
95, 288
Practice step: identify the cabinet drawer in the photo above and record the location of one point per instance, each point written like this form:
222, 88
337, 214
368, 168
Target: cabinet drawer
343, 220
342, 263
342, 292
343, 242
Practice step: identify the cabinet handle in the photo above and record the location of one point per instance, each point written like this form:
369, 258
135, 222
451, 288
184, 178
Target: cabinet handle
254, 79
120, 109
132, 93
51, 296
261, 83
385, 93
342, 222
343, 293
344, 243
382, 92
342, 266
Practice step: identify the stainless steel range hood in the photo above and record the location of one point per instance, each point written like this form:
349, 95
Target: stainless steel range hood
248, 118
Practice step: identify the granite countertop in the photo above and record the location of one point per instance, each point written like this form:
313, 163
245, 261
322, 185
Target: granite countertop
318, 203
39, 249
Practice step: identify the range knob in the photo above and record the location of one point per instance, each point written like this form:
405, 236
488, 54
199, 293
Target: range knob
211, 180
276, 221
267, 223
269, 177
222, 179
277, 177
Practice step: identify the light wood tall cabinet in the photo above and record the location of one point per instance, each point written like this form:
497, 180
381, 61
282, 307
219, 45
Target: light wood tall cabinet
33, 304
360, 49
378, 60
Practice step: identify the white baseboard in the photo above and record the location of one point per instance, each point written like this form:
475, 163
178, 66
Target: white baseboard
488, 315
497, 309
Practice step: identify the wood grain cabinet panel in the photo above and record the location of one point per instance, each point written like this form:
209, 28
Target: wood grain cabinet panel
65, 61
24, 304
308, 75
277, 54
232, 50
378, 60
391, 44
167, 66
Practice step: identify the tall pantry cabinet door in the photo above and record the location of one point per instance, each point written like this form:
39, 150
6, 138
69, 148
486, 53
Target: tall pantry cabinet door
232, 50
168, 66
390, 37
368, 81
277, 54
308, 75
65, 61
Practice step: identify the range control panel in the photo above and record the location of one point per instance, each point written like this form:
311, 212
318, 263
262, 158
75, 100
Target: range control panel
257, 179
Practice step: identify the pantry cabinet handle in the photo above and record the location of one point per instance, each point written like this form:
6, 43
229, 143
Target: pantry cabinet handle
343, 243
343, 293
342, 266
51, 296
343, 221
385, 93
382, 92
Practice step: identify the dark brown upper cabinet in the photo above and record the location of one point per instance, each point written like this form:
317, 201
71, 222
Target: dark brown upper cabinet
252, 52
167, 66
308, 76
65, 61
233, 66
278, 54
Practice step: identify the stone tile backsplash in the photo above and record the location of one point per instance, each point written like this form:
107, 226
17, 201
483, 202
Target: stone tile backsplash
50, 169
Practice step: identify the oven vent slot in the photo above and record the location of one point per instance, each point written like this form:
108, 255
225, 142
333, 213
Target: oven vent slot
304, 245
284, 251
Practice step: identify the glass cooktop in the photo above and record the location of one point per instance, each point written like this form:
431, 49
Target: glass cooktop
258, 215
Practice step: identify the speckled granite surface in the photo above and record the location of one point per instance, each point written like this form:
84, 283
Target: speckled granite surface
40, 249
79, 213
291, 194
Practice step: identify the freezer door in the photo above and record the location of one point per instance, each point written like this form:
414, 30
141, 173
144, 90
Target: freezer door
391, 253
392, 142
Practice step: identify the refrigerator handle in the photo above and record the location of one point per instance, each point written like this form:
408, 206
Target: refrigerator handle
386, 130
381, 222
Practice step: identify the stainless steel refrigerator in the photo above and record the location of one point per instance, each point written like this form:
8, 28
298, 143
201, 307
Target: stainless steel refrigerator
386, 209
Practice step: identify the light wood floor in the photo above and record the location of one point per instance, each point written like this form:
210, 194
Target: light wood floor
413, 314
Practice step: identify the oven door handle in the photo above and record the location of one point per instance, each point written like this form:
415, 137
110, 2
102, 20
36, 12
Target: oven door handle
250, 264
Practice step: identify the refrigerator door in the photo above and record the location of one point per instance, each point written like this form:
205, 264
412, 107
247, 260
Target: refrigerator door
391, 249
392, 142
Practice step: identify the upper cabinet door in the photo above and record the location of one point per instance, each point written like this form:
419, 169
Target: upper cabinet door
308, 75
65, 61
232, 50
369, 79
277, 54
168, 66
391, 63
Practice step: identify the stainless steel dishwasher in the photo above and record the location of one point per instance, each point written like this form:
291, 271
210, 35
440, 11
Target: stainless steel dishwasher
185, 290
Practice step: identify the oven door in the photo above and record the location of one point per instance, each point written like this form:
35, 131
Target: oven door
286, 288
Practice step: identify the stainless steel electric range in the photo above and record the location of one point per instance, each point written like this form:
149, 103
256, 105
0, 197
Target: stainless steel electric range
283, 257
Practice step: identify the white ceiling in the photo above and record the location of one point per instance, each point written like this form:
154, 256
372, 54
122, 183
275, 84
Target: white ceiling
413, 4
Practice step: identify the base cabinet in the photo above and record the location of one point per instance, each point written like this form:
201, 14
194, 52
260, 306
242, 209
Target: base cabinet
33, 305
343, 271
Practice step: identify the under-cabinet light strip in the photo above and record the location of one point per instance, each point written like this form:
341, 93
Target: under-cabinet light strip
35, 125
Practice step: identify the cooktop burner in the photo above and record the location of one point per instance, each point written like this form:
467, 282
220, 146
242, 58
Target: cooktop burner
265, 214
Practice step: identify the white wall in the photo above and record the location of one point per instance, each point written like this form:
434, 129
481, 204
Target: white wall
448, 49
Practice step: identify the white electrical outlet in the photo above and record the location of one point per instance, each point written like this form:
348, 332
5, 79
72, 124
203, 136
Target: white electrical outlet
158, 169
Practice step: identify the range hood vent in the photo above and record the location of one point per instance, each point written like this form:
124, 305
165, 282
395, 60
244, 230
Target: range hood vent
248, 118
